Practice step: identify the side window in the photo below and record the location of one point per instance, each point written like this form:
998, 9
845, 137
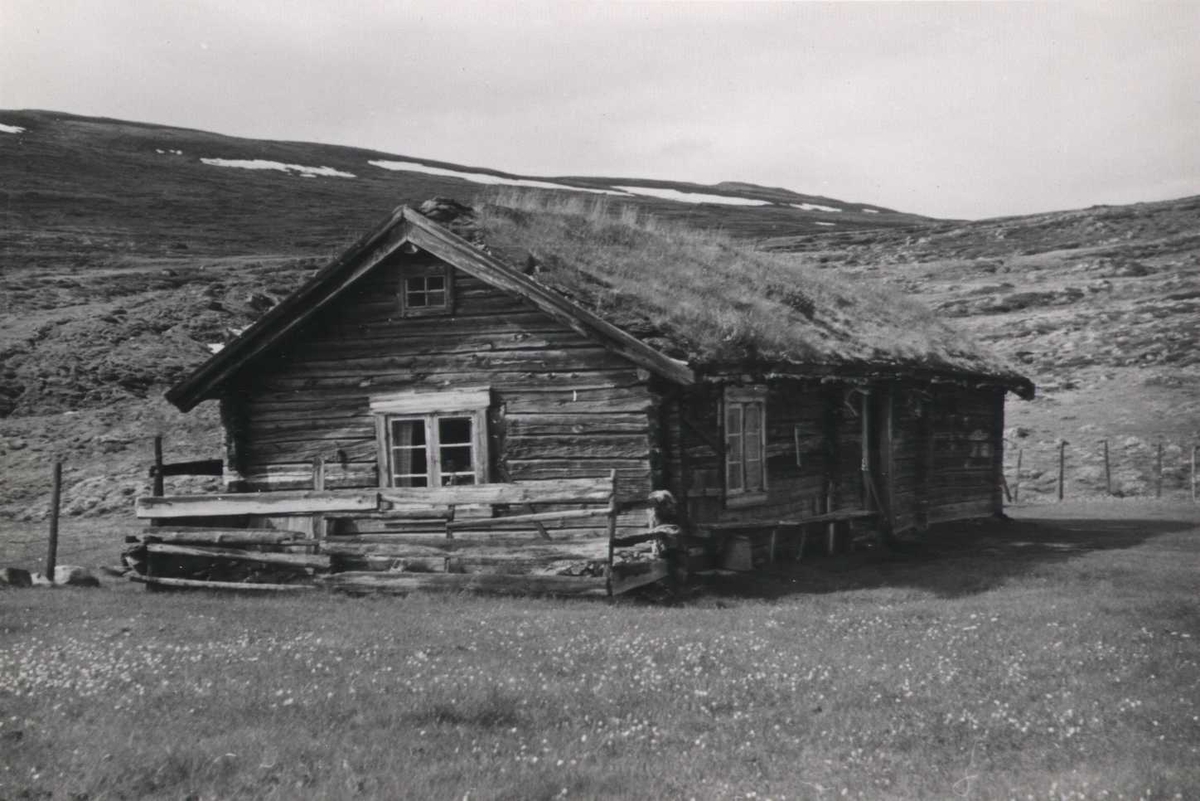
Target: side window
426, 290
745, 441
432, 439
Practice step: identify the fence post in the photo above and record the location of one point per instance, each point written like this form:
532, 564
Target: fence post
1107, 471
1158, 471
55, 498
1017, 482
1062, 461
158, 490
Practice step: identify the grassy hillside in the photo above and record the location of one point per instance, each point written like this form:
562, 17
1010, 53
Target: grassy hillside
123, 256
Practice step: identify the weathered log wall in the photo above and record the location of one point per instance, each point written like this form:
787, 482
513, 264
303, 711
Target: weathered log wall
966, 438
933, 456
561, 406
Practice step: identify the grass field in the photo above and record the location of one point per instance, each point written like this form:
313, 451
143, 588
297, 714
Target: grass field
1055, 657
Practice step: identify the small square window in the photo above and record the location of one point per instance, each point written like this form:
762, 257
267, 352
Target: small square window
426, 292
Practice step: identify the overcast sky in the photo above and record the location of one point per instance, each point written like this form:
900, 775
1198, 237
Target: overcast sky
953, 110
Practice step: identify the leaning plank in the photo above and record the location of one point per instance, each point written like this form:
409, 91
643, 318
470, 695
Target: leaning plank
536, 517
218, 585
567, 490
320, 561
473, 582
225, 536
624, 581
271, 503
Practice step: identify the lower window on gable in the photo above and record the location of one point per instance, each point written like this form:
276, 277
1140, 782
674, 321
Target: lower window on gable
433, 450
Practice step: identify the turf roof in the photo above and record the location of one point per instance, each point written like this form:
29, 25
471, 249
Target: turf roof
716, 304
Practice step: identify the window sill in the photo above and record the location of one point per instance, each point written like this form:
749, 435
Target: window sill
744, 499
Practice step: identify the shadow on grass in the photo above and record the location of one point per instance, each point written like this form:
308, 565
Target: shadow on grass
952, 560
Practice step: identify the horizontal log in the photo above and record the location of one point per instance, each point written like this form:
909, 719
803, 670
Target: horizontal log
224, 536
472, 582
267, 503
237, 586
354, 346
275, 431
318, 561
468, 539
527, 548
536, 517
560, 423
586, 446
460, 325
355, 450
278, 477
291, 392
564, 490
382, 364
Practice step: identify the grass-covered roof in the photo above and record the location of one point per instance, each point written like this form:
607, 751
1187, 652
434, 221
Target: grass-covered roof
719, 305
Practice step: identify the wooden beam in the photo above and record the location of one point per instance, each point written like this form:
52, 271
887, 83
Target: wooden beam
224, 536
536, 517
624, 580
317, 561
567, 490
500, 583
249, 503
237, 586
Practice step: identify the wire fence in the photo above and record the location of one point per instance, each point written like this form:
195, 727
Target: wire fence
1129, 467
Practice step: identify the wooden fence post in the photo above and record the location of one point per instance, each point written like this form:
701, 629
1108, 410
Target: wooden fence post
1017, 482
1062, 461
1107, 471
159, 489
55, 498
318, 520
1158, 471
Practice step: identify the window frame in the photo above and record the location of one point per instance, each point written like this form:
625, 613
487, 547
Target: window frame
741, 398
430, 408
424, 272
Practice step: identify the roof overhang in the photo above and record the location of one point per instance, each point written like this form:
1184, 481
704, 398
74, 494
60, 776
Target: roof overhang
404, 226
867, 373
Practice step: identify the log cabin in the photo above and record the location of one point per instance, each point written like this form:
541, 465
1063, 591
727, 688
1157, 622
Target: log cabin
457, 347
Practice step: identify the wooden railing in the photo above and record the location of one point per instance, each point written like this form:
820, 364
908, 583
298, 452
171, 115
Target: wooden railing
449, 530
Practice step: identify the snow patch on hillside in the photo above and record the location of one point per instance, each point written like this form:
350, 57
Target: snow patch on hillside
826, 223
263, 164
869, 211
168, 152
813, 207
13, 129
692, 197
482, 177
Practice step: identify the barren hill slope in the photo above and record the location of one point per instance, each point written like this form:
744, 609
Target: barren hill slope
124, 255
1100, 306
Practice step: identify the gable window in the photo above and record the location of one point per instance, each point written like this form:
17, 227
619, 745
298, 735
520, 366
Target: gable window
426, 290
745, 443
432, 439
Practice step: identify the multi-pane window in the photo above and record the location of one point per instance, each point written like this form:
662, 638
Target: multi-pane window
432, 451
432, 439
424, 292
426, 289
745, 441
